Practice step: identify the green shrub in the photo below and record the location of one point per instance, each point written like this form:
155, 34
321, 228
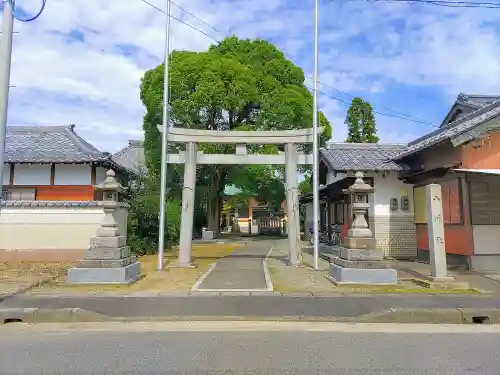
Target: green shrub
143, 223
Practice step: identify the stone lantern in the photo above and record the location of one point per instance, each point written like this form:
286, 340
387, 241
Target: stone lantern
358, 194
358, 260
108, 259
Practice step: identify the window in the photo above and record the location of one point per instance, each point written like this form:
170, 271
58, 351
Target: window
452, 210
452, 203
13, 194
485, 202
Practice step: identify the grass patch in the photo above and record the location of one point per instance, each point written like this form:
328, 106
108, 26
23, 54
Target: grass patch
17, 271
305, 281
171, 279
279, 287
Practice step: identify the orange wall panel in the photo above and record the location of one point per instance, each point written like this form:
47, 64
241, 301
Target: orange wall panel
65, 193
344, 228
457, 239
482, 153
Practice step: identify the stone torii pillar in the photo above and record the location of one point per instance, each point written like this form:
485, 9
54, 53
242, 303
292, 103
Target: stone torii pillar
188, 201
292, 204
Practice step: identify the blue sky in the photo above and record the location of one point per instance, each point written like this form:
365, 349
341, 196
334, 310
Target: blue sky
81, 62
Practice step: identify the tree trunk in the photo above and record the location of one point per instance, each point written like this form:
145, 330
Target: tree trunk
213, 206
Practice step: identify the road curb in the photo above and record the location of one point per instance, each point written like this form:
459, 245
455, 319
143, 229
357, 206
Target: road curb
27, 288
433, 316
417, 316
43, 315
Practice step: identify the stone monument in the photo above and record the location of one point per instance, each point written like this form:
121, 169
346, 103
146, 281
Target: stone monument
108, 259
358, 261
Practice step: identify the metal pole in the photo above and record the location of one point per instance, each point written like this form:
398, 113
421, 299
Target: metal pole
315, 143
164, 144
5, 61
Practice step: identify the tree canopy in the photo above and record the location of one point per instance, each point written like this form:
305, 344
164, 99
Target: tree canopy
235, 84
360, 122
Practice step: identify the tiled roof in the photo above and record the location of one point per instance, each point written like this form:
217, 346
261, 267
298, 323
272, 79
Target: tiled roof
49, 144
476, 101
362, 156
454, 129
131, 157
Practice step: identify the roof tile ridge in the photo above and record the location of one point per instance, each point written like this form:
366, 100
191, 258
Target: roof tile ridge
83, 145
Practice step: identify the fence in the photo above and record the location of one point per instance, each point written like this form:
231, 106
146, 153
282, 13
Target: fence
50, 230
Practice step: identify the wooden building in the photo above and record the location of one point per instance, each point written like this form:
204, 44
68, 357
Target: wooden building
390, 215
462, 155
53, 163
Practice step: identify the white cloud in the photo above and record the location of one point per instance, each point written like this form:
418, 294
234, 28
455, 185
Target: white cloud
365, 48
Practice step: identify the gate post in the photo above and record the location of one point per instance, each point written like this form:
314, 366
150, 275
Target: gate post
292, 203
187, 213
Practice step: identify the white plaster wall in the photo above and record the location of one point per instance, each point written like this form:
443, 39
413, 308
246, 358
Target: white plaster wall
390, 187
32, 174
486, 239
309, 222
331, 178
6, 174
72, 174
52, 228
100, 175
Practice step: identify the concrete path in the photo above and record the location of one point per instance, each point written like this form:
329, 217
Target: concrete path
243, 270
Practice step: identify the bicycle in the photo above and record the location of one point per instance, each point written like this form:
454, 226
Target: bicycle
324, 237
331, 236
335, 240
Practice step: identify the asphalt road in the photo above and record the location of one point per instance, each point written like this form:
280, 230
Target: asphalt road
120, 349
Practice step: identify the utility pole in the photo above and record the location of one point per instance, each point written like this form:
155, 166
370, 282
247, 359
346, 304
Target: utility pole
5, 61
315, 143
164, 143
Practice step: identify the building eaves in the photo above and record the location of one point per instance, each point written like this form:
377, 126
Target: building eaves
454, 129
476, 101
362, 157
49, 144
131, 157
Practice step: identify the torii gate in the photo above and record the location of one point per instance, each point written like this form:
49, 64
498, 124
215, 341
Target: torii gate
191, 157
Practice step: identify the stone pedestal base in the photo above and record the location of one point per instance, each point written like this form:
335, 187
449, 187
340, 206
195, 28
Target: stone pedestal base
372, 276
110, 275
441, 279
182, 265
207, 235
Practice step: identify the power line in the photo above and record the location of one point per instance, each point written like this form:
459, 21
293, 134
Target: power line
399, 115
181, 21
379, 112
445, 3
196, 17
407, 117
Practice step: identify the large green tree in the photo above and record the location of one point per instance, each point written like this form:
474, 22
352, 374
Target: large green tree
360, 122
236, 84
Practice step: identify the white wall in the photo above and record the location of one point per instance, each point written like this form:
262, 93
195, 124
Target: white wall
486, 239
42, 228
331, 178
6, 174
32, 174
309, 219
385, 188
390, 187
72, 174
100, 175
